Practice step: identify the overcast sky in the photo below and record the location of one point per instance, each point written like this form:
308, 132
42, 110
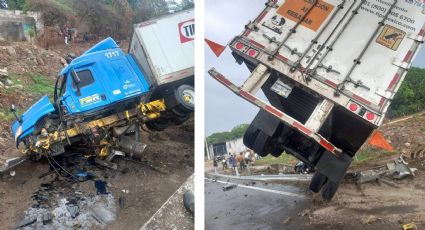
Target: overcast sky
224, 19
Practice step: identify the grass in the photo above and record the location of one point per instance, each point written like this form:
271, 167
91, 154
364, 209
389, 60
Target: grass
369, 154
362, 157
38, 85
6, 115
282, 159
42, 84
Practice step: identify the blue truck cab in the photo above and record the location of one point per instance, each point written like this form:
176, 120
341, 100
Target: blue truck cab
102, 80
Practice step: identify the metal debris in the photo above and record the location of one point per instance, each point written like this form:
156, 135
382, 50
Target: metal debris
229, 187
106, 164
28, 220
10, 163
47, 218
410, 226
102, 214
73, 209
396, 170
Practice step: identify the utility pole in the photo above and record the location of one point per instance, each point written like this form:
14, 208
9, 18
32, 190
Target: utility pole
208, 151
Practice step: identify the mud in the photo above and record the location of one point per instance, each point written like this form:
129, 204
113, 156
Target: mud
167, 163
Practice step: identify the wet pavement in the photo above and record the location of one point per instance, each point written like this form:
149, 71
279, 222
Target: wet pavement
254, 205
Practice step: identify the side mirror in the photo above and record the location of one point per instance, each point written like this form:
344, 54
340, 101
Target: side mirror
13, 108
76, 81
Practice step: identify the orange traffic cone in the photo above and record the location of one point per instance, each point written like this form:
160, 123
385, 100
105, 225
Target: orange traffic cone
378, 140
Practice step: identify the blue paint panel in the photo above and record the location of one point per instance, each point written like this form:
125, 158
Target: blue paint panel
32, 115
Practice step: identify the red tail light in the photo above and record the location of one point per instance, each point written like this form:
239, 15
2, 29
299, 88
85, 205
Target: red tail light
239, 45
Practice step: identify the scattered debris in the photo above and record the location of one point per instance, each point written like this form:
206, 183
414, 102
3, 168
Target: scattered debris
73, 209
100, 186
106, 164
410, 226
102, 214
396, 170
122, 198
229, 187
47, 218
27, 221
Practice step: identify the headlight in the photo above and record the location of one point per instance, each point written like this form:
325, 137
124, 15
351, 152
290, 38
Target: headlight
18, 133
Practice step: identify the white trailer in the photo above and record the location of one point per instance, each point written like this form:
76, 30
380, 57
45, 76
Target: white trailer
329, 69
164, 47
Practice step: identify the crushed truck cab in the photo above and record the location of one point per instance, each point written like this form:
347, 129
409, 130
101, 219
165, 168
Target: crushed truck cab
107, 77
100, 100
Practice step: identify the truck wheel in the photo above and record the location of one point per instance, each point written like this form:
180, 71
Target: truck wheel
182, 99
317, 182
157, 125
178, 120
249, 136
260, 142
329, 190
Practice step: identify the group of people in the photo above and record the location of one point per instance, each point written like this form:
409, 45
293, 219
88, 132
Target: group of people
242, 160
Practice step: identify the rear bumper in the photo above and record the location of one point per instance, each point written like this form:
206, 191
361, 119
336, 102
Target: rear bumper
288, 120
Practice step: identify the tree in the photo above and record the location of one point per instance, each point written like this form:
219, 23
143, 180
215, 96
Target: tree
236, 132
17, 4
411, 96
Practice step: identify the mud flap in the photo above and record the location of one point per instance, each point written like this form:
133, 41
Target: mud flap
333, 167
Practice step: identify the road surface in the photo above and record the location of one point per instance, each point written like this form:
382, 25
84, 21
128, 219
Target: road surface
260, 205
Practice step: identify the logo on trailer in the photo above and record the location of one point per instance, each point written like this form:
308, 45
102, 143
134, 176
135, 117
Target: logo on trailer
187, 30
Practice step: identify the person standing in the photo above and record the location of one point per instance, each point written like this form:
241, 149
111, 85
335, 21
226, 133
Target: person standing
232, 161
215, 165
65, 32
241, 161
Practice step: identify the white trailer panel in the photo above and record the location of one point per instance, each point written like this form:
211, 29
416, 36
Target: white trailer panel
165, 46
361, 49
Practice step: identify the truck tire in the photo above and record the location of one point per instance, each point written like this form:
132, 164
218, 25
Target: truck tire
317, 182
250, 136
178, 120
182, 99
157, 125
329, 190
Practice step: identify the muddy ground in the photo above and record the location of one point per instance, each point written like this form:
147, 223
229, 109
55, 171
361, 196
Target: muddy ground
36, 189
167, 163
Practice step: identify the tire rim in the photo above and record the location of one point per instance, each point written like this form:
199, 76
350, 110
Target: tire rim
188, 97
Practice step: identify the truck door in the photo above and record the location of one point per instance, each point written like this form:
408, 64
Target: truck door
91, 93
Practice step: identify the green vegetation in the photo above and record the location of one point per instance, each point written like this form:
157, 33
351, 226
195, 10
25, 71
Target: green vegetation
17, 4
237, 132
370, 154
411, 96
39, 84
42, 85
282, 159
6, 115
